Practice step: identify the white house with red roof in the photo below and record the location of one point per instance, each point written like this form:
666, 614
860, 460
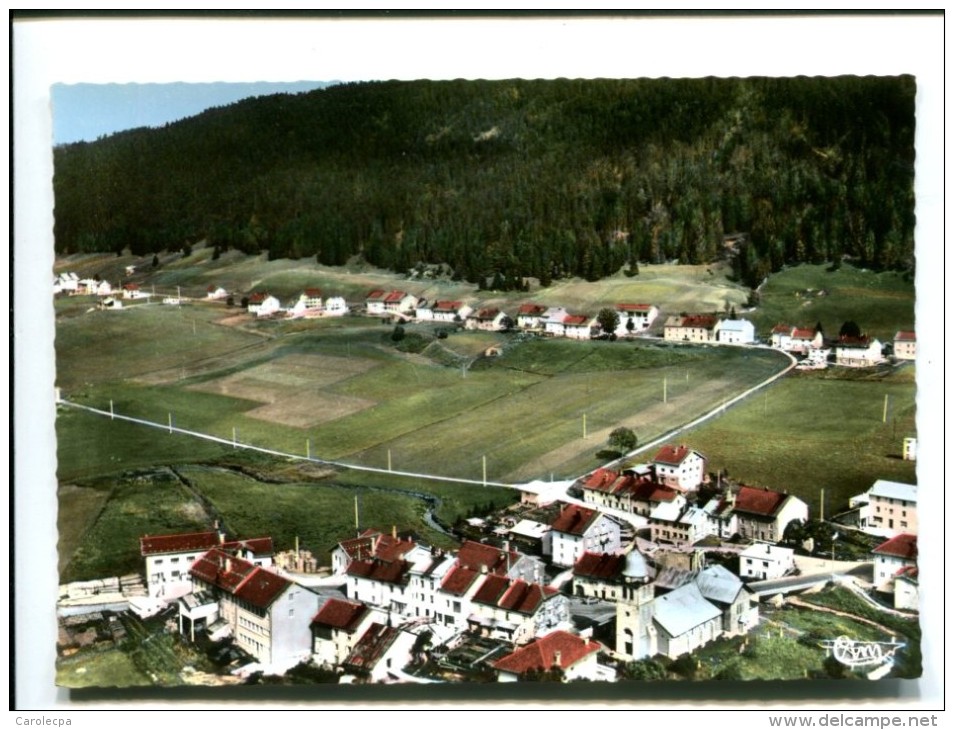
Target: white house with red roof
553, 321
858, 352
489, 319
690, 328
516, 611
579, 326
133, 291
798, 340
679, 467
337, 627
169, 558
503, 561
577, 530
309, 304
763, 514
263, 304
369, 544
382, 301
445, 310
267, 615
635, 318
572, 656
599, 575
905, 345
531, 316
892, 558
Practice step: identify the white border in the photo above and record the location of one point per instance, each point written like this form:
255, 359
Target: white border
76, 50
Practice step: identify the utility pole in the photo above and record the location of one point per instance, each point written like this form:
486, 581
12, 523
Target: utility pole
665, 393
584, 425
884, 413
389, 459
821, 515
111, 415
170, 423
308, 448
485, 470
233, 436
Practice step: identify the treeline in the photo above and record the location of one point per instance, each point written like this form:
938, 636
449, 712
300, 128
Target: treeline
515, 179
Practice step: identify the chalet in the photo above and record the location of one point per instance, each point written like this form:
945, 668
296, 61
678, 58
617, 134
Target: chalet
132, 291
574, 657
337, 627
764, 561
169, 558
634, 318
578, 326
577, 530
216, 292
679, 467
267, 615
531, 316
489, 320
516, 611
892, 558
735, 332
263, 304
501, 561
764, 514
379, 302
888, 508
690, 328
553, 321
381, 651
857, 352
599, 575
905, 345
450, 311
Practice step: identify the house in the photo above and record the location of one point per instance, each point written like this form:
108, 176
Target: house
336, 307
501, 561
68, 282
577, 530
629, 491
905, 345
906, 597
888, 508
727, 592
450, 311
370, 544
553, 321
690, 328
599, 575
378, 582
267, 615
379, 302
679, 467
797, 340
488, 320
531, 316
678, 523
216, 292
723, 522
764, 561
858, 352
337, 627
380, 652
735, 332
534, 537
95, 287
578, 326
263, 304
764, 514
634, 318
516, 611
574, 657
132, 291
309, 303
896, 556
169, 558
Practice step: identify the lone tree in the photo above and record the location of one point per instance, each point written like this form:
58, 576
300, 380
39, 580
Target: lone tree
608, 320
623, 439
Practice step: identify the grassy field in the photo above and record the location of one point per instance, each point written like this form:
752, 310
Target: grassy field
107, 668
816, 432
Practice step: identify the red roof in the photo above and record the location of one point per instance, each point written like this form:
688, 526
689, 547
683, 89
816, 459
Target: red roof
371, 647
558, 649
905, 337
159, 544
705, 321
672, 455
251, 583
447, 306
376, 294
491, 589
340, 614
131, 287
604, 566
518, 595
312, 292
803, 334
759, 501
650, 491
574, 520
459, 580
781, 329
903, 546
575, 320
601, 480
257, 297
380, 570
375, 544
477, 555
395, 296
487, 313
634, 307
862, 342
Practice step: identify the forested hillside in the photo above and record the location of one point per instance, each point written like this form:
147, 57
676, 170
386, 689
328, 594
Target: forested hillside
514, 179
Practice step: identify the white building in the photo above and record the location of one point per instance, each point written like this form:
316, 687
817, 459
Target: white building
679, 467
634, 318
764, 561
577, 530
888, 508
735, 332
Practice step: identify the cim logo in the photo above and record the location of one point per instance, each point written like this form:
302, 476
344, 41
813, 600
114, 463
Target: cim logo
853, 653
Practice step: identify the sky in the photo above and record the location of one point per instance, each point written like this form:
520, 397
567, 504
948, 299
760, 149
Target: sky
85, 112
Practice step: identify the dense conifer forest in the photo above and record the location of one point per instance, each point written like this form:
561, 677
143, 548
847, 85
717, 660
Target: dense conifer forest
502, 180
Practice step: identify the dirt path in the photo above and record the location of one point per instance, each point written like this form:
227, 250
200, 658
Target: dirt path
795, 601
